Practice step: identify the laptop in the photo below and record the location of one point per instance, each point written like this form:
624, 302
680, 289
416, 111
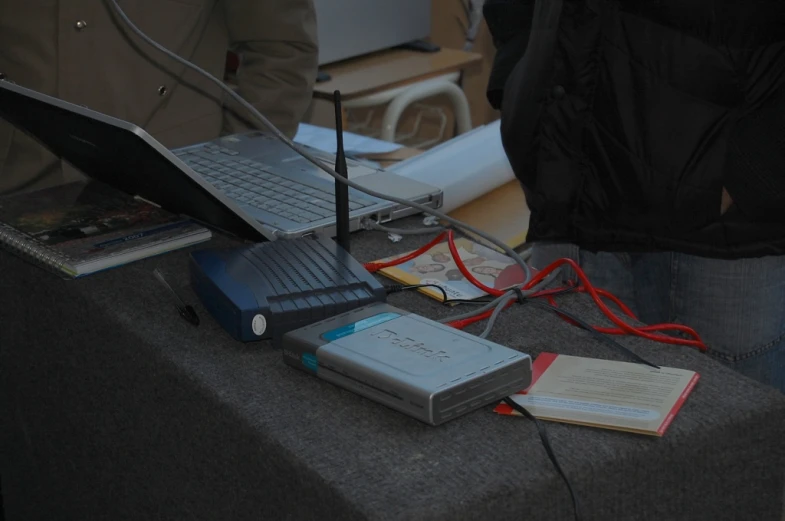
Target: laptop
250, 185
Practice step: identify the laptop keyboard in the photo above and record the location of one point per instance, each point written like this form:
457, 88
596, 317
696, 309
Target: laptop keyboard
247, 182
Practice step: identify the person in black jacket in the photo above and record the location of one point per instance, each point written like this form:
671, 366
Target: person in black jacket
649, 138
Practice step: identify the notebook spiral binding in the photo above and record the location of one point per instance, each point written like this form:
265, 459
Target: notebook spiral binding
31, 250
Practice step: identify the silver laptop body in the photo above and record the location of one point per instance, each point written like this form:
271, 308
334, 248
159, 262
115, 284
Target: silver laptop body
251, 185
282, 190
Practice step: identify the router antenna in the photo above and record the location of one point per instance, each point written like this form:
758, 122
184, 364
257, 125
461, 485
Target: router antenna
341, 190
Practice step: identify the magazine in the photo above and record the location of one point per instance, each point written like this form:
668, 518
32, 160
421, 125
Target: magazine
437, 267
83, 227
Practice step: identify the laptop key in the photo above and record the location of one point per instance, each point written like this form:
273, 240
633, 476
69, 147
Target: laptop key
242, 177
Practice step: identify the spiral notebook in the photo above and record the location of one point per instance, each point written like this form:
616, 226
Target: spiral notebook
81, 228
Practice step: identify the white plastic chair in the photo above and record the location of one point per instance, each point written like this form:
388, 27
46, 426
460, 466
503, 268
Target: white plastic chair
399, 98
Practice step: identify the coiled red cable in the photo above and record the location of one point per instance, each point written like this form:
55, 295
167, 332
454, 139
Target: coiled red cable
652, 332
643, 331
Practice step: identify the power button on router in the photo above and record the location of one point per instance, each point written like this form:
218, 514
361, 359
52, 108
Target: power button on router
259, 325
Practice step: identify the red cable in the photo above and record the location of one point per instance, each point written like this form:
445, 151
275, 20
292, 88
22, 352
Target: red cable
627, 311
460, 324
613, 298
642, 332
656, 327
465, 271
595, 293
498, 293
373, 267
624, 328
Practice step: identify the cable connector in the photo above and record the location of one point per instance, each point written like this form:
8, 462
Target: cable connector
367, 224
372, 267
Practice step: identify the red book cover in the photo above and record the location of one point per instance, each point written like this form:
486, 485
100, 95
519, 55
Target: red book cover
607, 394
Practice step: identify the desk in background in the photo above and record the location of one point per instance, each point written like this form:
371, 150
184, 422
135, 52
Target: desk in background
385, 70
399, 78
116, 408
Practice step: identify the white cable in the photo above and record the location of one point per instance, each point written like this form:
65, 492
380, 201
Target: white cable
372, 225
544, 283
495, 315
306, 155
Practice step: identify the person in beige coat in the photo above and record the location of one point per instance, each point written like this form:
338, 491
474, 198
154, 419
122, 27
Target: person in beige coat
79, 51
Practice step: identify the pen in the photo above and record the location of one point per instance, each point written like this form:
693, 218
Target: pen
185, 311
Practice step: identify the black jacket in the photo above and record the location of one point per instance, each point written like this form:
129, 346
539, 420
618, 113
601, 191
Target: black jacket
625, 119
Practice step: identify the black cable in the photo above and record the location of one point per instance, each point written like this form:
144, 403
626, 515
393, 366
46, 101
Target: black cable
599, 336
397, 288
467, 301
485, 300
546, 443
478, 301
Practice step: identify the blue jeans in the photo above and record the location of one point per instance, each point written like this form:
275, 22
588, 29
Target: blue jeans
737, 307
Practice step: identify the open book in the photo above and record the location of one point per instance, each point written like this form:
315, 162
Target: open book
607, 394
84, 227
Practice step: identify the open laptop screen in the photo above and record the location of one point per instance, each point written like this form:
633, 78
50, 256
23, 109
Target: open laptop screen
124, 156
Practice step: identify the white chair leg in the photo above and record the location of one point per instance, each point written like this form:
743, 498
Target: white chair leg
419, 92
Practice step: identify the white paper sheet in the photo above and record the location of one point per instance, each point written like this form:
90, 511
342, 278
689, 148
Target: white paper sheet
354, 144
465, 167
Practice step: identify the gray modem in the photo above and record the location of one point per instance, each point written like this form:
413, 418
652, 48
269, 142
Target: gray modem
409, 363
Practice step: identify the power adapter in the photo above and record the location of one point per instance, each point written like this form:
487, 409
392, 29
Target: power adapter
262, 291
